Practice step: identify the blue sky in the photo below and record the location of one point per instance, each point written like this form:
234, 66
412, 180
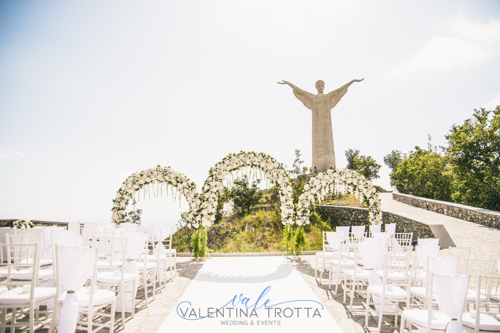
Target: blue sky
93, 91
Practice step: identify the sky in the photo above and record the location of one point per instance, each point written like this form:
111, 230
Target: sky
92, 91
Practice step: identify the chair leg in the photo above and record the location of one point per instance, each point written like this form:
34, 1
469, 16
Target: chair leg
381, 315
368, 296
32, 318
123, 303
112, 318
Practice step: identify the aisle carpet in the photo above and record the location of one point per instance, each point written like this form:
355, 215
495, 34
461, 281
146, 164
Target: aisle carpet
250, 294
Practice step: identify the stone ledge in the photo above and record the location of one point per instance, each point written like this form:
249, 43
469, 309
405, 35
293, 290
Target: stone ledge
346, 216
477, 215
248, 254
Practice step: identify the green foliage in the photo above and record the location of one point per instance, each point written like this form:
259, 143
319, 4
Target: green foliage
134, 216
298, 241
474, 154
223, 196
199, 242
424, 173
392, 160
245, 196
364, 165
297, 169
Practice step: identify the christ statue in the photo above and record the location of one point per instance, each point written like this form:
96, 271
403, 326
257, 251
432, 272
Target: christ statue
323, 153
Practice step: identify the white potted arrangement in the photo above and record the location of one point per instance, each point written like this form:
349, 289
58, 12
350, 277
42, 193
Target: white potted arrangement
23, 224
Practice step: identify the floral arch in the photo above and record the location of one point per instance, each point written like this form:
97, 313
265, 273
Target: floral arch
339, 181
248, 163
151, 181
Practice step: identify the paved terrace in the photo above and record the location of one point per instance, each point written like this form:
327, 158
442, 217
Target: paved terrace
485, 243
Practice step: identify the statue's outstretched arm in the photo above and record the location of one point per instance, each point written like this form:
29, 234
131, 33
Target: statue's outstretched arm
345, 86
337, 94
302, 95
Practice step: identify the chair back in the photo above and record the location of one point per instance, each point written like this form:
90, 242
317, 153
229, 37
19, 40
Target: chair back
390, 228
375, 228
74, 226
345, 230
428, 241
23, 259
332, 239
397, 262
481, 267
111, 252
451, 292
463, 255
404, 239
358, 231
74, 267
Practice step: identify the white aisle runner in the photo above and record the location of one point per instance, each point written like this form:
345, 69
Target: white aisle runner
250, 294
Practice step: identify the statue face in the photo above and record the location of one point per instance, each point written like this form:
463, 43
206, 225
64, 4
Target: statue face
320, 85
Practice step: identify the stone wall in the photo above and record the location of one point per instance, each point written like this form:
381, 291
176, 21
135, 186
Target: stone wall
482, 216
8, 223
344, 216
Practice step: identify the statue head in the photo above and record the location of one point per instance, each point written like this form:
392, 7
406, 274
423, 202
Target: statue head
320, 85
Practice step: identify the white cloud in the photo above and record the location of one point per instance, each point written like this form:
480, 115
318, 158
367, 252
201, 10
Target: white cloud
493, 103
4, 153
473, 43
486, 34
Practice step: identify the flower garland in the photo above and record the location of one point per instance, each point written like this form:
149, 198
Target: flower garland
254, 163
339, 181
23, 224
152, 181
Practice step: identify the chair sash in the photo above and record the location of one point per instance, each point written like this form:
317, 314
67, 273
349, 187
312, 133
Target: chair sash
451, 292
74, 266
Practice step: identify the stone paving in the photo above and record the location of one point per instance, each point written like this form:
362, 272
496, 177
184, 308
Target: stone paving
484, 241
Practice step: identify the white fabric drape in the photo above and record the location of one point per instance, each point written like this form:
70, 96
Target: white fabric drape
390, 228
451, 291
372, 253
74, 266
424, 252
130, 268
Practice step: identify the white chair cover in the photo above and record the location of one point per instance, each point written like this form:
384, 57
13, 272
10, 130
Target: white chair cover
345, 230
358, 230
451, 291
332, 238
428, 241
375, 228
371, 255
424, 252
390, 228
135, 246
74, 265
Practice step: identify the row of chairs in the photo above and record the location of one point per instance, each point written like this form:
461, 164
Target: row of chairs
393, 277
123, 260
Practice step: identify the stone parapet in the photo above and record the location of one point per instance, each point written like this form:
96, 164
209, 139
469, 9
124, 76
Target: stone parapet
346, 216
9, 223
482, 216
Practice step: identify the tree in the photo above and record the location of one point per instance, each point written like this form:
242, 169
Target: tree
392, 160
245, 196
474, 155
298, 169
424, 173
364, 165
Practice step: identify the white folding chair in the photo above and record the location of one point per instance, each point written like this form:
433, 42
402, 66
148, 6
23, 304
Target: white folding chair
119, 278
340, 263
74, 266
329, 246
476, 268
26, 261
450, 295
483, 317
396, 280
